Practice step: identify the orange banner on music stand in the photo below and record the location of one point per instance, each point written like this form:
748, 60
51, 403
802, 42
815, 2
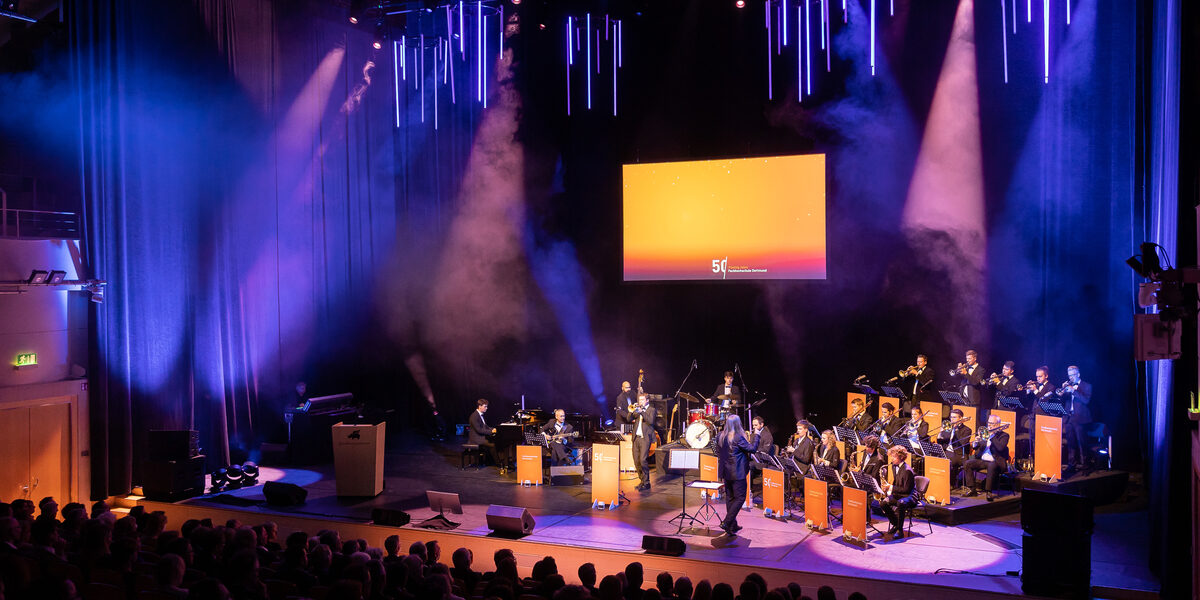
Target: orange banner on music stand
605, 475
529, 465
933, 414
708, 472
1010, 418
850, 396
938, 472
816, 504
772, 491
854, 515
971, 413
1047, 447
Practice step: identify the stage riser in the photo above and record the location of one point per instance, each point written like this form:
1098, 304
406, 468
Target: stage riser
961, 513
569, 558
1100, 488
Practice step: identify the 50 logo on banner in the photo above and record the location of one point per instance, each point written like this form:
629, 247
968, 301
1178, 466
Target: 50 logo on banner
719, 264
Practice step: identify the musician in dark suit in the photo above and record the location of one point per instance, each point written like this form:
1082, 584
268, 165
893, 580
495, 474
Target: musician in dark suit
478, 433
870, 459
969, 379
898, 498
861, 420
828, 455
625, 403
1007, 382
919, 384
990, 454
889, 422
766, 444
916, 426
727, 394
644, 419
1076, 396
955, 440
734, 448
801, 444
561, 451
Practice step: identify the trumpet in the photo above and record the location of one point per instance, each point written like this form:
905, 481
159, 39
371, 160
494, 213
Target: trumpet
961, 369
911, 370
994, 379
1031, 385
1066, 387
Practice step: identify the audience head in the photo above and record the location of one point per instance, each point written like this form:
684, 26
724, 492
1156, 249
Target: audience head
749, 590
610, 588
391, 545
48, 508
433, 552
826, 593
703, 590
417, 549
587, 575
722, 591
462, 559
664, 583
633, 575
682, 589
169, 571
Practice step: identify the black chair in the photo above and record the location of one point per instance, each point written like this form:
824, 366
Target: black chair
920, 486
473, 452
1097, 443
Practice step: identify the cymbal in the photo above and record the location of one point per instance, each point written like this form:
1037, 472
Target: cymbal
724, 397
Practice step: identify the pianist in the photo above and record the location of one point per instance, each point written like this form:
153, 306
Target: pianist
480, 433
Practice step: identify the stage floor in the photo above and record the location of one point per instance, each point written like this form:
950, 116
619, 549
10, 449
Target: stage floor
977, 556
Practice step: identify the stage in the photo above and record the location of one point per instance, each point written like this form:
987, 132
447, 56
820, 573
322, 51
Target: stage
935, 561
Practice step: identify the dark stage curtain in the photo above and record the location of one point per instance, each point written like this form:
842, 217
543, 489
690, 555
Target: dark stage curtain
239, 202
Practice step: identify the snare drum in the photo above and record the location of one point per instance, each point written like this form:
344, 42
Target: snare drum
711, 410
695, 414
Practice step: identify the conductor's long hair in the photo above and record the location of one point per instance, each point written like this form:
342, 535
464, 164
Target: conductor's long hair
733, 429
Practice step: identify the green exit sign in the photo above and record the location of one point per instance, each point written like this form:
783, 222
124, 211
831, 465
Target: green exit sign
27, 359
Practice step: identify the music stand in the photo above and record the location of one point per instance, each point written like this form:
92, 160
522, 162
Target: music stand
866, 389
905, 443
534, 438
931, 449
441, 501
706, 511
1010, 403
830, 476
791, 469
952, 398
843, 434
1053, 408
894, 392
683, 461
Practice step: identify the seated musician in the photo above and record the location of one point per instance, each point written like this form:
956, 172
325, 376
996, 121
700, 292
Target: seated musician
479, 432
898, 481
861, 420
557, 434
766, 445
870, 458
828, 455
955, 439
990, 453
727, 394
916, 428
801, 444
888, 422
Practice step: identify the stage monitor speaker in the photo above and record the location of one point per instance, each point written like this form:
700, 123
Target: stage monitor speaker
172, 444
666, 546
171, 480
389, 517
509, 521
567, 475
284, 494
1052, 513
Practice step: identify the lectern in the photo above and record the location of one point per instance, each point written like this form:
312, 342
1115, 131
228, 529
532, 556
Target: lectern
358, 458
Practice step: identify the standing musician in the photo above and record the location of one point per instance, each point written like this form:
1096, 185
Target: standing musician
800, 445
644, 420
828, 455
479, 432
1041, 388
1077, 396
727, 394
955, 438
898, 492
560, 447
626, 400
919, 383
734, 447
858, 420
969, 376
991, 453
1005, 383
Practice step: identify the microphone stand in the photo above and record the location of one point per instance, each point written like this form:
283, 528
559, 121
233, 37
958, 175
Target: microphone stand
687, 407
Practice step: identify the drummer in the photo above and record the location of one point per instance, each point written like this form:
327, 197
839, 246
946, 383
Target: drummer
727, 396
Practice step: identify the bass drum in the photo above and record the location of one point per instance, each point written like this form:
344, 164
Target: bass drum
700, 434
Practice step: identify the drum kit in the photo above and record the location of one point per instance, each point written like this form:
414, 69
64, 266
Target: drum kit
703, 423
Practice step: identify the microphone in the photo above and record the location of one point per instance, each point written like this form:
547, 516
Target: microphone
736, 369
693, 364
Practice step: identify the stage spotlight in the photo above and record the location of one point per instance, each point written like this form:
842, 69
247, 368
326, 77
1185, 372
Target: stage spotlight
740, 3
57, 276
234, 474
516, 2
1136, 265
37, 277
377, 45
219, 480
250, 473
354, 20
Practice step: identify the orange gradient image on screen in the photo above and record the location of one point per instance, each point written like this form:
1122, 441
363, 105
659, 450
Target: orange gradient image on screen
744, 218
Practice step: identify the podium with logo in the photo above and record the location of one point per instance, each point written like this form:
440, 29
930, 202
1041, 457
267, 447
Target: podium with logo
358, 458
1047, 447
529, 465
708, 472
605, 475
772, 492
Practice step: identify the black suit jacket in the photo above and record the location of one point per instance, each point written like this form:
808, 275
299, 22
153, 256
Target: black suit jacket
734, 458
871, 463
971, 385
1045, 392
478, 430
766, 442
893, 426
548, 429
903, 481
922, 429
999, 448
802, 449
734, 393
961, 436
831, 454
863, 422
649, 422
920, 386
1078, 402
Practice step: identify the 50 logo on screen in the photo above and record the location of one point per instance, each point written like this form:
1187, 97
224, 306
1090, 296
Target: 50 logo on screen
719, 265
